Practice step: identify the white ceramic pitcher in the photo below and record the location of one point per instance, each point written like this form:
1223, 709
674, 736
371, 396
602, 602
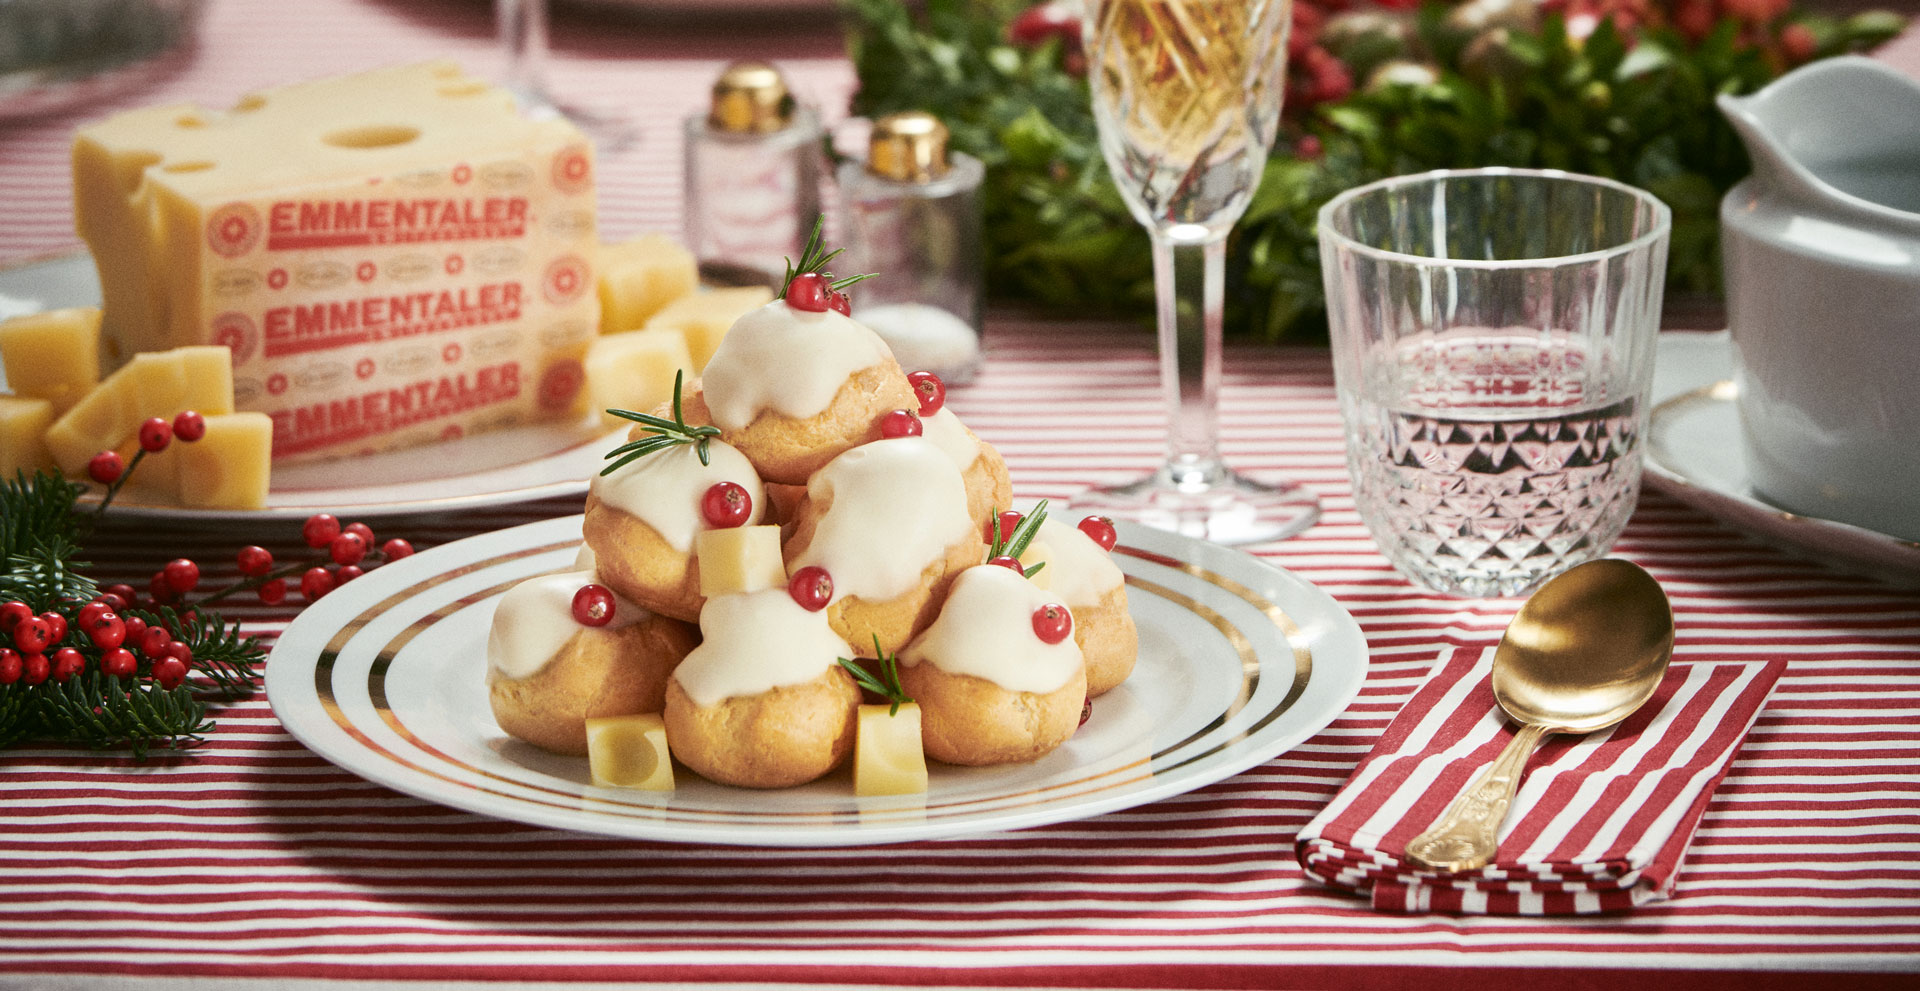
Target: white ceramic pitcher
1822, 257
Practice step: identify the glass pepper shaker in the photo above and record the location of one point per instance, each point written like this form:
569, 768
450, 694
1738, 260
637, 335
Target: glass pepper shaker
911, 215
752, 177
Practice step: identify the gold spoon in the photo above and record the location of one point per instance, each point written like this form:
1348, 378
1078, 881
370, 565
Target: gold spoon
1581, 655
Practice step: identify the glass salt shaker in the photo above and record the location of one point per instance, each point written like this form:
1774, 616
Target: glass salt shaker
911, 215
752, 177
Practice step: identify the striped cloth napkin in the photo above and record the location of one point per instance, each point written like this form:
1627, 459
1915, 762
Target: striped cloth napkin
1600, 822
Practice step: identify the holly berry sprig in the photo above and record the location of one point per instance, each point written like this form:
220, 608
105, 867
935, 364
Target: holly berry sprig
886, 683
1008, 535
808, 286
663, 433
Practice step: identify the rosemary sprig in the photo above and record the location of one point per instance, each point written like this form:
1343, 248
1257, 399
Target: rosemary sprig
665, 434
1015, 544
887, 683
814, 258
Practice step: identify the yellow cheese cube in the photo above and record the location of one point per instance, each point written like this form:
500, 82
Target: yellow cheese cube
739, 559
1040, 554
887, 755
155, 383
229, 467
634, 371
703, 318
157, 477
99, 421
630, 752
53, 355
209, 374
23, 426
641, 276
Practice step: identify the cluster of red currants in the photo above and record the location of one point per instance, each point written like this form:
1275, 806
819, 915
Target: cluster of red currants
44, 646
110, 469
347, 549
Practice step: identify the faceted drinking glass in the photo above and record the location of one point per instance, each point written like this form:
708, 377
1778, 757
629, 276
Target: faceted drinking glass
1493, 337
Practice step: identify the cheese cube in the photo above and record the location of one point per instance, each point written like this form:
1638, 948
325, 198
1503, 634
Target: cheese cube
229, 467
640, 277
703, 318
53, 355
23, 426
154, 383
634, 371
99, 421
887, 755
1040, 554
630, 752
739, 559
392, 257
157, 477
209, 379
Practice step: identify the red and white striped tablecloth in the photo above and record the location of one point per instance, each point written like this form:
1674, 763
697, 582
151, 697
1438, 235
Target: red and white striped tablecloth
252, 862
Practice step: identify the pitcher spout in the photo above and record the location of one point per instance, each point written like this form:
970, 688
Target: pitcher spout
1837, 126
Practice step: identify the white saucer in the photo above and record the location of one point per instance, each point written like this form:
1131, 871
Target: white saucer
1694, 453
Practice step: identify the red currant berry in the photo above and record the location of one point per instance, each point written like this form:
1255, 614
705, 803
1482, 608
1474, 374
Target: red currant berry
9, 665
1008, 561
56, 626
169, 672
348, 548
163, 593
106, 467
1052, 623
136, 631
319, 530
34, 668
726, 504
67, 662
900, 423
154, 640
365, 532
840, 302
180, 651
155, 435
593, 605
11, 613
315, 583
189, 425
254, 560
395, 549
1086, 711
1100, 528
812, 587
182, 575
32, 635
808, 291
119, 662
107, 630
346, 573
1008, 521
92, 609
127, 593
272, 593
932, 391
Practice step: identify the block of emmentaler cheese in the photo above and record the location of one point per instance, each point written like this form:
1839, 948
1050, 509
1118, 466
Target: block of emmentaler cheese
393, 257
53, 355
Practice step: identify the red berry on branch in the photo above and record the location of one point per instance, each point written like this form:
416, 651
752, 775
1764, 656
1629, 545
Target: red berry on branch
106, 467
900, 423
127, 593
112, 601
811, 587
67, 662
136, 631
319, 530
119, 662
808, 291
32, 635
189, 425
726, 504
153, 642
593, 605
254, 560
9, 665
1086, 711
395, 549
34, 668
315, 583
182, 575
155, 434
348, 548
1008, 521
163, 593
169, 672
1007, 561
180, 651
56, 626
11, 613
840, 302
1052, 623
365, 532
346, 573
1100, 528
931, 391
106, 630
92, 609
273, 593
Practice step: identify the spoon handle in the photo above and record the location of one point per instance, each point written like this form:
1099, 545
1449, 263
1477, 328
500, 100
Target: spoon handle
1464, 839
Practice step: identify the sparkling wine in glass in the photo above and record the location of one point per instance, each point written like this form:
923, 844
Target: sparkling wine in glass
1187, 96
522, 28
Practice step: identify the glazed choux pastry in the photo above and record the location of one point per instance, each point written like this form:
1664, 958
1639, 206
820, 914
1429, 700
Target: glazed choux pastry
794, 389
989, 488
888, 523
996, 684
642, 518
763, 701
1081, 574
547, 674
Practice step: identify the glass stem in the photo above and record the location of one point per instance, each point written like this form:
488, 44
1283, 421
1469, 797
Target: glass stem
522, 26
1189, 275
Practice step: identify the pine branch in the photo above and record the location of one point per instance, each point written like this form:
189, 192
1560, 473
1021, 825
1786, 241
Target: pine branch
36, 509
44, 574
98, 710
219, 652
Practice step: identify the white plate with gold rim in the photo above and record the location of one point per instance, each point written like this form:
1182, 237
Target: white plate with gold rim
503, 466
1239, 662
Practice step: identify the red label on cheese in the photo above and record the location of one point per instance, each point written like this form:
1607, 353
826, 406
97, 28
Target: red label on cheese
296, 225
342, 421
233, 230
320, 326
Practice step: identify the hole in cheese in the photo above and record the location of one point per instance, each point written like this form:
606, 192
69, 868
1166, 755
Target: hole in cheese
372, 136
179, 167
249, 103
191, 121
474, 88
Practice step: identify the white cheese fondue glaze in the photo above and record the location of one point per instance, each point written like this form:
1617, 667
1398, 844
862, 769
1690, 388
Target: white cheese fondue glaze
1082, 571
787, 360
985, 629
664, 489
535, 619
946, 432
754, 642
893, 507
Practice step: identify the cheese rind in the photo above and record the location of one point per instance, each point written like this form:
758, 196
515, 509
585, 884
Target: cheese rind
630, 752
23, 427
53, 355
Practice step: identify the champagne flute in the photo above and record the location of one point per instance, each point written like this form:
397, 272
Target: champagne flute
522, 28
1187, 96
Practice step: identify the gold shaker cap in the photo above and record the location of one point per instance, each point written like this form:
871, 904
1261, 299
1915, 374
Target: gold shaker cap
908, 147
750, 97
